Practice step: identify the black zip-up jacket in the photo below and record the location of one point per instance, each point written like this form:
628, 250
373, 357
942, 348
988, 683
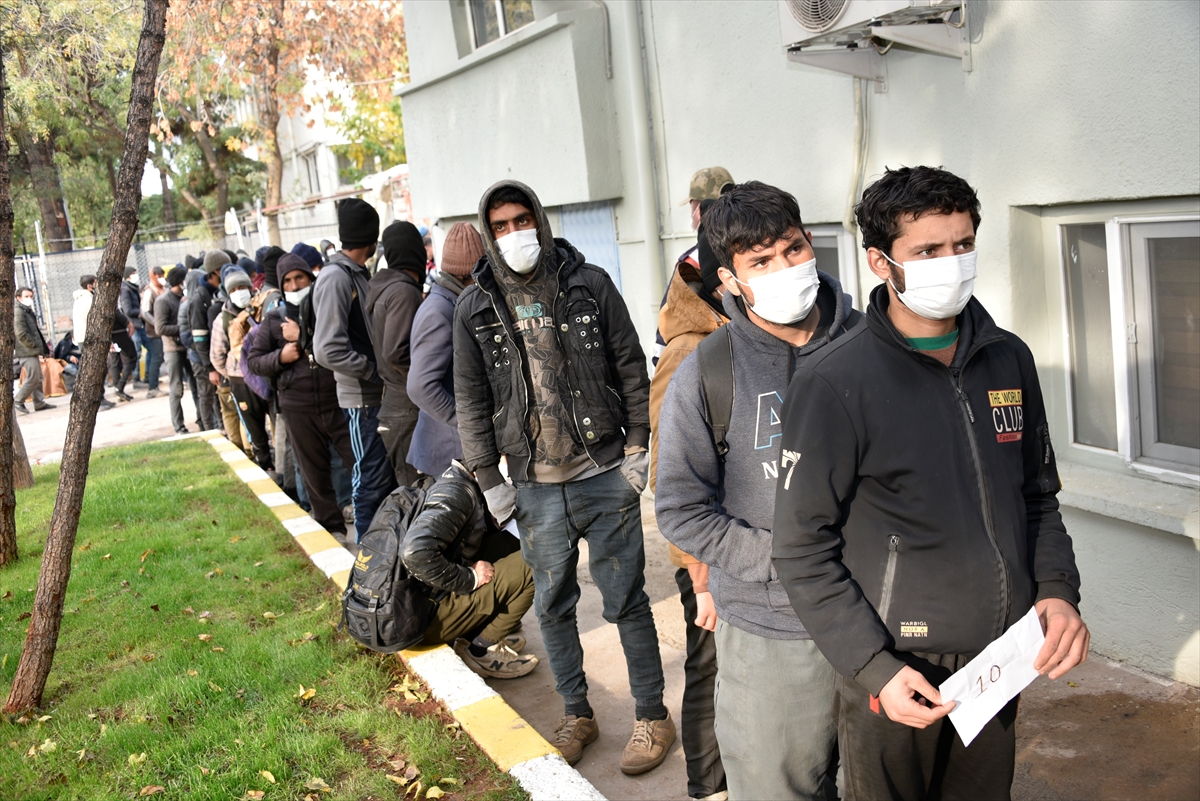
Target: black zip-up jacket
129, 301
605, 385
916, 509
303, 385
447, 534
201, 325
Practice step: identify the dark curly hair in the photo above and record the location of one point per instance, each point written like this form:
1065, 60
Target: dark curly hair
910, 193
747, 216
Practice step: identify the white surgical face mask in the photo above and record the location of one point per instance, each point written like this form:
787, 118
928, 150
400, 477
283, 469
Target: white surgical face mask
133, 279
520, 250
294, 298
27, 302
938, 289
240, 298
785, 296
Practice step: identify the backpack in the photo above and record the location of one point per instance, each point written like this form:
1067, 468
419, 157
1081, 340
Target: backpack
383, 607
714, 355
258, 385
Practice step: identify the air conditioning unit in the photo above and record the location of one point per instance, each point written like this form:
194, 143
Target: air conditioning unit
852, 36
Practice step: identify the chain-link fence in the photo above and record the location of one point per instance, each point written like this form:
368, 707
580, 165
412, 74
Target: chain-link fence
55, 289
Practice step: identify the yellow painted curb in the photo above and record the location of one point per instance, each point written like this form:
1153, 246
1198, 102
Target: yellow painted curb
316, 541
502, 733
289, 511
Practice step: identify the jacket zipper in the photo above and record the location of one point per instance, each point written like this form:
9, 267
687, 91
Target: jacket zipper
984, 499
889, 577
521, 371
558, 339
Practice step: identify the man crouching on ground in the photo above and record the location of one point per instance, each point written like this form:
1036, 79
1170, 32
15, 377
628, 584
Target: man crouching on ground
476, 576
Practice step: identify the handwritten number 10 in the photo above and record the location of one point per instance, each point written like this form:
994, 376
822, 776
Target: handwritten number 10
993, 677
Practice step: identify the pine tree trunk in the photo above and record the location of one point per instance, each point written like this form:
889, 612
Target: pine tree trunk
43, 175
40, 643
22, 470
8, 494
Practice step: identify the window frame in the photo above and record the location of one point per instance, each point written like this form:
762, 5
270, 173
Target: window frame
847, 249
310, 159
1126, 322
501, 21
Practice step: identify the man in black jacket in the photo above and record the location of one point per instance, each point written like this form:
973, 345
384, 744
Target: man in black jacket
207, 379
166, 323
916, 516
30, 349
393, 297
476, 577
548, 371
129, 303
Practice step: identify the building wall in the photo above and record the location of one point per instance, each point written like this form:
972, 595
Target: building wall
1067, 103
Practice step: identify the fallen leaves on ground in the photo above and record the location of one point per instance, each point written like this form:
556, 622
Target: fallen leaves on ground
146, 553
253, 795
304, 694
411, 690
317, 783
48, 746
204, 637
152, 789
137, 759
266, 774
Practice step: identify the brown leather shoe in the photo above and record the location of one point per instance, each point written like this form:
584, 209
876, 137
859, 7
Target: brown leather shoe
648, 746
572, 734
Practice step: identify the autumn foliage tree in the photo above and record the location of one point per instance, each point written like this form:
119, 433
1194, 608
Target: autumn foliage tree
271, 50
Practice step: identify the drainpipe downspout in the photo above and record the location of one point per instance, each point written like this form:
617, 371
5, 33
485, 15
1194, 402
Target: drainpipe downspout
639, 81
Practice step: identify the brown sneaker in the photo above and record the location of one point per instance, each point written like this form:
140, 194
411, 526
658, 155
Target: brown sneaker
572, 734
648, 746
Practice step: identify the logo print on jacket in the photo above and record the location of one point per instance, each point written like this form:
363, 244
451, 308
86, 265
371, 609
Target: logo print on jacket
788, 460
1008, 415
768, 425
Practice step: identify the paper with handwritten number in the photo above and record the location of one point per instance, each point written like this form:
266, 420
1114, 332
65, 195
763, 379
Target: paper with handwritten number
511, 528
992, 679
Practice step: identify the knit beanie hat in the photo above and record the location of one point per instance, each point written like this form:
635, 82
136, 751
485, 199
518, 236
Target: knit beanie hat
310, 255
189, 260
247, 265
462, 249
708, 261
358, 223
215, 260
403, 248
235, 279
290, 262
226, 270
176, 276
258, 258
270, 259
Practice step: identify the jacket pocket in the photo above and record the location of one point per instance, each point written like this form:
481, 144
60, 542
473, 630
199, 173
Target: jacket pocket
1048, 480
889, 577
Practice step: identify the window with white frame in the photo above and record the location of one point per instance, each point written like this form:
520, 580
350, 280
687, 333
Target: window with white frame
309, 172
492, 19
837, 255
1132, 297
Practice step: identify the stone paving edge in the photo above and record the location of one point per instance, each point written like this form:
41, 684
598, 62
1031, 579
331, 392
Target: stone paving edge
514, 745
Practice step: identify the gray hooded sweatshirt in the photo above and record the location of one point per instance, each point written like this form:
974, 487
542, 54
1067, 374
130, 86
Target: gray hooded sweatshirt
342, 337
722, 513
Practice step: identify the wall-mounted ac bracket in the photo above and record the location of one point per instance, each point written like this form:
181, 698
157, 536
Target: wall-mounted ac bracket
861, 62
938, 38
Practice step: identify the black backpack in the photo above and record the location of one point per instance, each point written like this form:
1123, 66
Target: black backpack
715, 357
383, 607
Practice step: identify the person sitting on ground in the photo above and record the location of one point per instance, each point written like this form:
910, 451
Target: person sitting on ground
31, 349
475, 572
307, 394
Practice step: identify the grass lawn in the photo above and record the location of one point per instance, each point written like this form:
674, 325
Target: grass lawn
194, 637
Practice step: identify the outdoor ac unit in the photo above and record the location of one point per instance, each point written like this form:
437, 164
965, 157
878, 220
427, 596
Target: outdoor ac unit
851, 35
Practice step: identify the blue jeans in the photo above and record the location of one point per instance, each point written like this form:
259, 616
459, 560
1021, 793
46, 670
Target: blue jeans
373, 478
605, 511
154, 354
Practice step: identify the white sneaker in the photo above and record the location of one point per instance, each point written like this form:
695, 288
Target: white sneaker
500, 661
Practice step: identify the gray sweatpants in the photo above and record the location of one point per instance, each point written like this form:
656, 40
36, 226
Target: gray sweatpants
774, 716
33, 381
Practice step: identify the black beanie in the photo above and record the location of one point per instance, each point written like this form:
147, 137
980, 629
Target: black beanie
403, 248
270, 260
708, 262
358, 223
290, 262
176, 275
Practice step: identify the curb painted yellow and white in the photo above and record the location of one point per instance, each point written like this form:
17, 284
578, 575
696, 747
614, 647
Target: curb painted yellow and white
514, 745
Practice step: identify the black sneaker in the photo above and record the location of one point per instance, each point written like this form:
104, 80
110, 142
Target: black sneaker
106, 404
41, 407
21, 408
122, 397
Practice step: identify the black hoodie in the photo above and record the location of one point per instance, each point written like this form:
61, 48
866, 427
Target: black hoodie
916, 509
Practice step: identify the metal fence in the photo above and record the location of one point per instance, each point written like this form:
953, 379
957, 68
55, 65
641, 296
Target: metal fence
55, 289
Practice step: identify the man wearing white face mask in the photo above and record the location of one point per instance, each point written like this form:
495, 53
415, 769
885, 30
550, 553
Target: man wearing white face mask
229, 330
549, 373
916, 518
716, 490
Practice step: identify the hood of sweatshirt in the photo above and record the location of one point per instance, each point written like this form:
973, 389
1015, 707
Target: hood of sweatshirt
685, 312
383, 280
545, 236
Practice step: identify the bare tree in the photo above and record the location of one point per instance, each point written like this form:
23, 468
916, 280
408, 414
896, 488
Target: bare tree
8, 493
42, 639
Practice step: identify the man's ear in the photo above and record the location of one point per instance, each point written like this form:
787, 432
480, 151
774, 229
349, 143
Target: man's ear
878, 263
727, 280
